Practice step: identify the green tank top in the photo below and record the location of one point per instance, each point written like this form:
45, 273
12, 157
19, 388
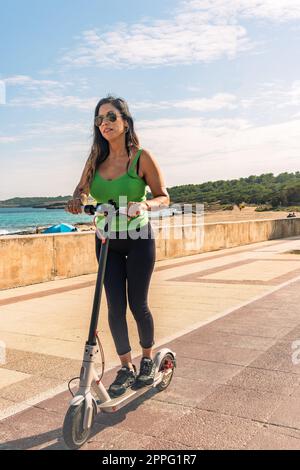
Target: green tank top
127, 187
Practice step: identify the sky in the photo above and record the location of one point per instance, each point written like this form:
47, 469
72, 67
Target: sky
213, 86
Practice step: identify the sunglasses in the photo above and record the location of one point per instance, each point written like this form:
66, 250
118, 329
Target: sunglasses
111, 116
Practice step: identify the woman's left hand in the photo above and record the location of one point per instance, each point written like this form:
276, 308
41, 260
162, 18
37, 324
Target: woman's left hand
135, 208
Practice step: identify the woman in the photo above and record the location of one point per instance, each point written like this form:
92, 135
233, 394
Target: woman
118, 167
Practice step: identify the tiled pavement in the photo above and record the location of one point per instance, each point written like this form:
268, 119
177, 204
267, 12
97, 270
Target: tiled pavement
235, 387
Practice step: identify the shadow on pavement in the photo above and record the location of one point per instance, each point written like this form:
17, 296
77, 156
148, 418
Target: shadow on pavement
102, 422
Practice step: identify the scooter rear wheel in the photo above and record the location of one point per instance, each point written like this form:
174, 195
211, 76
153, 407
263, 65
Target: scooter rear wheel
167, 366
73, 432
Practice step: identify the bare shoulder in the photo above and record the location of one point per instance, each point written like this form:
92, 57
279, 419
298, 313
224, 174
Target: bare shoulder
152, 173
148, 164
147, 155
148, 160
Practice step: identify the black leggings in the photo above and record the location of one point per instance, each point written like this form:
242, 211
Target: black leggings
131, 259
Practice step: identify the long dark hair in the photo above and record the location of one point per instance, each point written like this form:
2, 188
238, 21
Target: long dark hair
100, 147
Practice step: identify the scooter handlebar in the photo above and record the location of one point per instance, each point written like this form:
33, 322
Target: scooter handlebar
103, 209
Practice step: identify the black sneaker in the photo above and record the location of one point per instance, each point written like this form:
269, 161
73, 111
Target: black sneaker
125, 378
146, 375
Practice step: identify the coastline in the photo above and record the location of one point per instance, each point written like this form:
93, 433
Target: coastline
235, 215
81, 227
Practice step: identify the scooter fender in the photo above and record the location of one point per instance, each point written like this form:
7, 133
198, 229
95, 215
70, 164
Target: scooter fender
158, 357
77, 400
90, 406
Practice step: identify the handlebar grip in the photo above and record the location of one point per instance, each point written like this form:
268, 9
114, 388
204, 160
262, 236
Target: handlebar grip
123, 210
100, 208
89, 209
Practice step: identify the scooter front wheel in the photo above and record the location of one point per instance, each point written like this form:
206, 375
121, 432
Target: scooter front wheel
74, 433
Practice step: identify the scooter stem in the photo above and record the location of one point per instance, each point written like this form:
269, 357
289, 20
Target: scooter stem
99, 286
100, 276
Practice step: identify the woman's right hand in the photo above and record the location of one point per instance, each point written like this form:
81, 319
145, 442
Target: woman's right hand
74, 206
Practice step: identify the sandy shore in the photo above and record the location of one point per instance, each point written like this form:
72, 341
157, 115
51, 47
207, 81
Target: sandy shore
248, 213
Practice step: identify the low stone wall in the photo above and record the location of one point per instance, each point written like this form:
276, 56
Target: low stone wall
30, 259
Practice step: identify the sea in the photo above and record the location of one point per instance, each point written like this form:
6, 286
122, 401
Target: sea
20, 219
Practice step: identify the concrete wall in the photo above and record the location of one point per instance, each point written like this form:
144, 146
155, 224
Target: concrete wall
30, 259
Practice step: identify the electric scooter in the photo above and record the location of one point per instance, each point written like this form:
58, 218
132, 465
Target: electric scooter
92, 397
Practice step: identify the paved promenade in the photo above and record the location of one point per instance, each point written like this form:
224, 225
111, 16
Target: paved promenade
231, 315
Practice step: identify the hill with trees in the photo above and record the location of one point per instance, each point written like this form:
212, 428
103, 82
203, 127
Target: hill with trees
282, 190
33, 201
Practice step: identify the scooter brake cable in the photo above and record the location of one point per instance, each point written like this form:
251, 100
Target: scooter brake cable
102, 357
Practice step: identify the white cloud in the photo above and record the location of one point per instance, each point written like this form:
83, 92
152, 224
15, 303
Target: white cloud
188, 151
188, 123
194, 89
199, 31
9, 139
48, 93
2, 92
55, 100
267, 97
25, 80
294, 94
274, 95
190, 36
198, 150
47, 130
61, 163
272, 10
217, 102
58, 128
57, 150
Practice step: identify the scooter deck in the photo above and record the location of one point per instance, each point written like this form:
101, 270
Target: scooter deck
115, 403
